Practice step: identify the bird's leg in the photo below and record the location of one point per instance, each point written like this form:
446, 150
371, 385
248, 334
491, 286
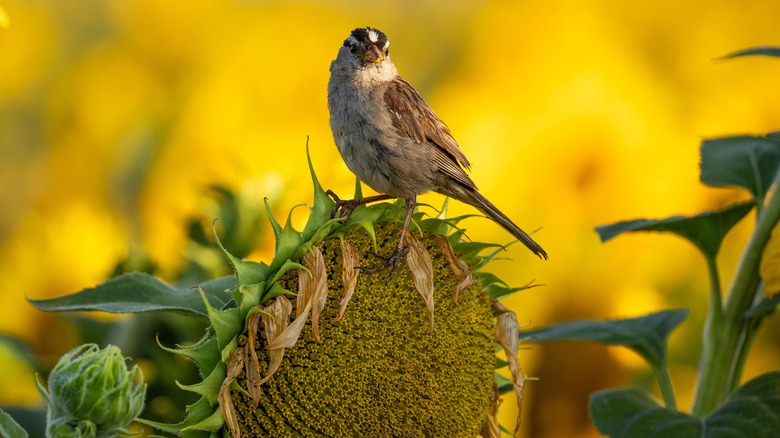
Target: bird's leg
344, 208
392, 260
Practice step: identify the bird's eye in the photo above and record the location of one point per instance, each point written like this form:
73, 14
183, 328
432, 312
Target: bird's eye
353, 48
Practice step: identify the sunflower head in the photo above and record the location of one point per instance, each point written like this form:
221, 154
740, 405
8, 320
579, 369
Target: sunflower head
314, 347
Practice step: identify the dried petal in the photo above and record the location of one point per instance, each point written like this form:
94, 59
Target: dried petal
305, 289
506, 335
319, 295
420, 265
235, 365
350, 262
459, 267
491, 429
276, 318
312, 294
253, 363
498, 307
290, 335
770, 263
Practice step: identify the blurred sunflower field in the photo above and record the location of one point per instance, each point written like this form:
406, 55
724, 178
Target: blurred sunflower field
119, 118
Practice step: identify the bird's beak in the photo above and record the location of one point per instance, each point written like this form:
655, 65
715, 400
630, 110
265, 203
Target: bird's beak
373, 55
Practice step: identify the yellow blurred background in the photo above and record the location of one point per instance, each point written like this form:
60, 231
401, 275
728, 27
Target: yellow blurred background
116, 115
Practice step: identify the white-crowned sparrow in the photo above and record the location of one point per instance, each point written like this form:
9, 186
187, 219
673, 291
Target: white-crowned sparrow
393, 141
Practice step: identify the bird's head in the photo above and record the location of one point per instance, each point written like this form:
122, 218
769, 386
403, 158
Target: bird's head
368, 45
366, 54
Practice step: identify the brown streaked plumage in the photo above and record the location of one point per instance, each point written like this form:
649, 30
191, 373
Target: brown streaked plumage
393, 141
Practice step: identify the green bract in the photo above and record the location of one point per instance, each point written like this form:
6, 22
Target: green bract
313, 347
91, 393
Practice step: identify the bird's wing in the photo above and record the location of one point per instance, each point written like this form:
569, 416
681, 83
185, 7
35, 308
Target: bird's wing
401, 100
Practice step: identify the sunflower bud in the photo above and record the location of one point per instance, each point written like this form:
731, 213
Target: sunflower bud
91, 393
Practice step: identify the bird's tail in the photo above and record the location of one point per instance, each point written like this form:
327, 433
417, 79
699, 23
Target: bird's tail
475, 199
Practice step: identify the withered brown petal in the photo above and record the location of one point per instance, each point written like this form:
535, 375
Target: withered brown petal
506, 335
490, 428
290, 335
276, 318
253, 363
235, 365
420, 265
459, 267
319, 295
350, 262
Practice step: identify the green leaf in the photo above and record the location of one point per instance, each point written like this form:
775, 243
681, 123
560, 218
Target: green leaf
503, 384
139, 292
10, 428
379, 212
645, 335
205, 353
753, 411
497, 288
323, 232
251, 295
287, 244
196, 413
443, 225
277, 229
358, 189
750, 162
287, 266
208, 387
319, 213
471, 250
211, 424
247, 271
763, 307
632, 413
755, 51
277, 290
226, 323
705, 230
367, 225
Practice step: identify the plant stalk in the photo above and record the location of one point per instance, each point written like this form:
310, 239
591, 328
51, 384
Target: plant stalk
665, 384
725, 342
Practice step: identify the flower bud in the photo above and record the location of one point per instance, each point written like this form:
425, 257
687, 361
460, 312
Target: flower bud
92, 393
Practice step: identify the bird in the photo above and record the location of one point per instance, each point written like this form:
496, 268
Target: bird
394, 142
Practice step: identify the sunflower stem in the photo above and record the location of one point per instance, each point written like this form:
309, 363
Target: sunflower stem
726, 343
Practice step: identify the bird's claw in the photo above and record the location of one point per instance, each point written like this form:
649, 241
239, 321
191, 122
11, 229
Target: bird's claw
391, 261
343, 208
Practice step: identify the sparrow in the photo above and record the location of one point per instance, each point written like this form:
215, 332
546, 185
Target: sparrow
394, 142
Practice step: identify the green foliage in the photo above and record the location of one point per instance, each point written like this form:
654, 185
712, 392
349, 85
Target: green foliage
720, 407
137, 292
760, 51
752, 411
645, 335
749, 162
10, 428
706, 230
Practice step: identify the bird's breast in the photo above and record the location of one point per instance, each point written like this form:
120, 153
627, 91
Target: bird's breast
372, 148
